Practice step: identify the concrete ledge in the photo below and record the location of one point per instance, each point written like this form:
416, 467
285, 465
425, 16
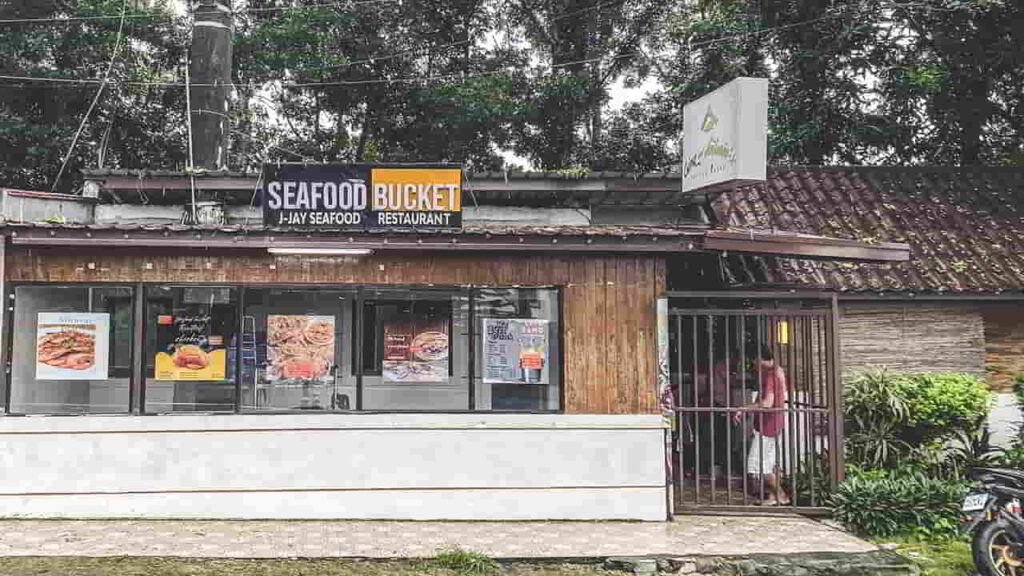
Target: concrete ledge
876, 563
506, 504
276, 422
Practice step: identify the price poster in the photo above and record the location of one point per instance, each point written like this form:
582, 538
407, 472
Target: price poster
515, 351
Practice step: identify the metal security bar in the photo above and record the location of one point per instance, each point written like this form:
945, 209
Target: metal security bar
756, 396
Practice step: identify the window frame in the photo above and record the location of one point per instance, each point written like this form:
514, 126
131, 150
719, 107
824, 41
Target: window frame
140, 331
7, 350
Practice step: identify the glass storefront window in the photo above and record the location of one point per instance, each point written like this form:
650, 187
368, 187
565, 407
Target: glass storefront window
191, 342
71, 350
296, 350
414, 350
517, 349
284, 348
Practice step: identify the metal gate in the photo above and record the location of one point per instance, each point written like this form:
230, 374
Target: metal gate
757, 400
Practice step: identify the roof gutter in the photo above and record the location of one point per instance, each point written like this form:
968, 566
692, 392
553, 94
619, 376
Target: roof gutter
778, 244
805, 246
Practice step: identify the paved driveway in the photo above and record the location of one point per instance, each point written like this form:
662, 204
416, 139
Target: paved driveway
688, 535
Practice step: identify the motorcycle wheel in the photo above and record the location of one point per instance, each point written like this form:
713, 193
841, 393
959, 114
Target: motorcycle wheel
992, 548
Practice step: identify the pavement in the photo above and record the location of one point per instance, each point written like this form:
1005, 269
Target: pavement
685, 536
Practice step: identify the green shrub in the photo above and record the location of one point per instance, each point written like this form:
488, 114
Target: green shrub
941, 404
885, 503
877, 416
892, 418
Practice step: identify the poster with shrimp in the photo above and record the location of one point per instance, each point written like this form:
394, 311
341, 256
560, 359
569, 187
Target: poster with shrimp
72, 346
416, 349
299, 347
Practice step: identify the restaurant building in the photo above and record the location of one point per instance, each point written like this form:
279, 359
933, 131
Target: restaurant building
543, 353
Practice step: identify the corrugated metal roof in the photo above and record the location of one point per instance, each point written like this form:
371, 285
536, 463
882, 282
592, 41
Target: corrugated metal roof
965, 227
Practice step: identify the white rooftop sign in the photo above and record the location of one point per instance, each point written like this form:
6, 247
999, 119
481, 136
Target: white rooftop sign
725, 136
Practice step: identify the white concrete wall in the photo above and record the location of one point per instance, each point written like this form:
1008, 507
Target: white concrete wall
471, 215
25, 208
404, 466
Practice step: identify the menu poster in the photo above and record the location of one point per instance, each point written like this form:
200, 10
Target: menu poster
188, 351
299, 347
416, 349
515, 351
72, 346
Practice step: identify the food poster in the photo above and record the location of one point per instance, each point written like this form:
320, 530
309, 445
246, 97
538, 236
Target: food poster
188, 349
515, 351
72, 346
299, 347
416, 349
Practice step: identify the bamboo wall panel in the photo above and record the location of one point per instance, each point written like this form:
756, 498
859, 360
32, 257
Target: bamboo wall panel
609, 322
912, 337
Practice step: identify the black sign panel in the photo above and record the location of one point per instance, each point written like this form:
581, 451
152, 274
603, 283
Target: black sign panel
355, 196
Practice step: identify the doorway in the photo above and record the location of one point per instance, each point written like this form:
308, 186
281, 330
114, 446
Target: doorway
755, 395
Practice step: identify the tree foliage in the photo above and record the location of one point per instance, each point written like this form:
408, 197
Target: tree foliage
468, 81
131, 126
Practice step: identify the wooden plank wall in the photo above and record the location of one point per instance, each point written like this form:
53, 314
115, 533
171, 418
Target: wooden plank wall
1004, 344
609, 319
912, 337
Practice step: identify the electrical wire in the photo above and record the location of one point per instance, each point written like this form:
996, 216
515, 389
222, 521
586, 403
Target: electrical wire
161, 16
414, 79
96, 99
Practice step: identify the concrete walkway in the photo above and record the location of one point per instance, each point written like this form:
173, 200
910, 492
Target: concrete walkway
688, 535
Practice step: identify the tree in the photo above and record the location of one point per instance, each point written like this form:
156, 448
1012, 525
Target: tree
131, 125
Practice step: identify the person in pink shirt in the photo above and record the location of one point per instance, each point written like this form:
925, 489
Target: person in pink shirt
769, 420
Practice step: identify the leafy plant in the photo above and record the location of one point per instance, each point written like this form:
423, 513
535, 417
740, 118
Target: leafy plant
877, 414
927, 418
942, 404
465, 562
902, 501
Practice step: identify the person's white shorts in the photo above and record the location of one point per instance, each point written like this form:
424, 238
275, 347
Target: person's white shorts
761, 454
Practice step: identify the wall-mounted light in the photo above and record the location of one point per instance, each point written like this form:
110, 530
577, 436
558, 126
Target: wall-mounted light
783, 332
321, 251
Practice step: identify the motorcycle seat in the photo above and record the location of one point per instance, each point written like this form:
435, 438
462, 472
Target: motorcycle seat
1016, 476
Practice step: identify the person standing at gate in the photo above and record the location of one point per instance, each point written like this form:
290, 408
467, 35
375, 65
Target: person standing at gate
769, 420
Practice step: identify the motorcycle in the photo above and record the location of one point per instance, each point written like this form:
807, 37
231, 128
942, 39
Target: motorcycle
991, 514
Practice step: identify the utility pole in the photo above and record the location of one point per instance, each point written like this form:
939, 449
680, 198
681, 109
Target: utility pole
210, 71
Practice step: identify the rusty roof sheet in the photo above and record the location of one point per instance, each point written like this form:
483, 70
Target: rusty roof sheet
965, 227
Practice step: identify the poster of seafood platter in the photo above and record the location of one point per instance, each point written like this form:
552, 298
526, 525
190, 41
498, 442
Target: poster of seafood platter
416, 350
299, 347
72, 346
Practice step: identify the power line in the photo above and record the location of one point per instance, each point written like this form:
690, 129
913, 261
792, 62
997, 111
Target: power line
106, 77
69, 19
325, 5
161, 15
453, 76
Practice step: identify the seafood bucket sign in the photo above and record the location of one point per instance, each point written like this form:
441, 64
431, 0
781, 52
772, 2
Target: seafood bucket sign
72, 346
356, 196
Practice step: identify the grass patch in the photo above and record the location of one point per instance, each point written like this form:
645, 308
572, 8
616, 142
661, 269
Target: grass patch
465, 562
942, 557
135, 566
